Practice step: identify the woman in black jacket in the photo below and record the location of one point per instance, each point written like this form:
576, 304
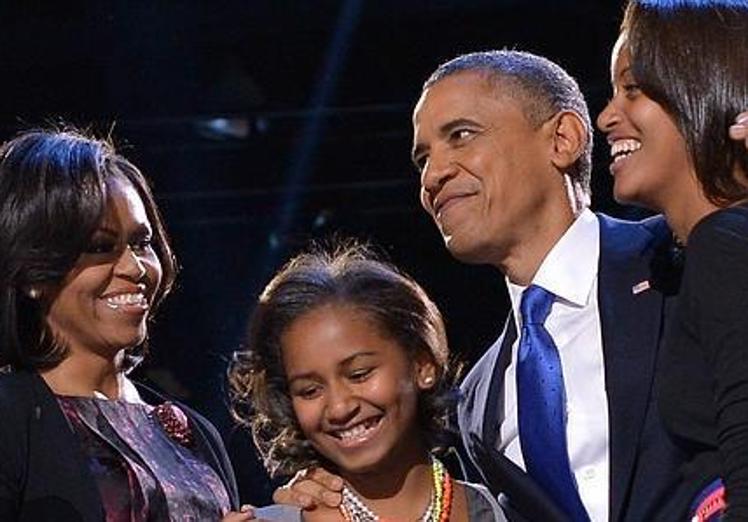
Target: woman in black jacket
680, 79
84, 262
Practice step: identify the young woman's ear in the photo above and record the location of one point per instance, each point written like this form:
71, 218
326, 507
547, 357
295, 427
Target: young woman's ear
425, 371
32, 292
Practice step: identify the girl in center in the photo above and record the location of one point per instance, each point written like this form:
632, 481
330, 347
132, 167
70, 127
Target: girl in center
346, 367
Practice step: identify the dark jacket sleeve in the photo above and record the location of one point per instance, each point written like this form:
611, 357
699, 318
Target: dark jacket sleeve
11, 468
716, 274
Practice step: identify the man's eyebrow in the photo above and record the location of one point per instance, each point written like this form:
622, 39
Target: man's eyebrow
444, 130
453, 124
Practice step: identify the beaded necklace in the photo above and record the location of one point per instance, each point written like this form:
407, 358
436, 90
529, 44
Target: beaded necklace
353, 508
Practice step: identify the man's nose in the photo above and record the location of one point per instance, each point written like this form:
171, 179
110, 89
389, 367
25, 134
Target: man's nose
439, 168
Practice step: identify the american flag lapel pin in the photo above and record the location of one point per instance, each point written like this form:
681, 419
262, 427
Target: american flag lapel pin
638, 288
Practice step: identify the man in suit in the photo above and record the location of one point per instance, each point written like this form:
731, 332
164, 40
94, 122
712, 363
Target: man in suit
503, 142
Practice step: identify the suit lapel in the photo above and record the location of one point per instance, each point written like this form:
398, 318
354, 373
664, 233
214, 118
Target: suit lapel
495, 396
630, 326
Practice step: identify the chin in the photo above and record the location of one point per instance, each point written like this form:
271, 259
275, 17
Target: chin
124, 342
624, 199
359, 468
465, 251
362, 462
367, 465
631, 196
628, 190
358, 465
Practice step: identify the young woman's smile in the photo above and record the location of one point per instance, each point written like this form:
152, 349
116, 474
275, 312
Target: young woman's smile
649, 159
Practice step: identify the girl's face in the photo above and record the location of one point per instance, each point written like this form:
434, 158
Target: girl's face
354, 390
102, 305
651, 166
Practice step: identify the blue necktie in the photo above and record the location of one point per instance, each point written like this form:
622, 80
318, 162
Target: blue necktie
541, 401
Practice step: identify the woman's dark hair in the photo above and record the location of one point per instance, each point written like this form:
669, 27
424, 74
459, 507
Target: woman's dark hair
348, 275
53, 192
691, 57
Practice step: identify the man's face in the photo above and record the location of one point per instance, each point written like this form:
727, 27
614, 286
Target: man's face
486, 173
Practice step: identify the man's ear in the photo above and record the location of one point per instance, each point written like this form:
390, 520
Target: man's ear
569, 139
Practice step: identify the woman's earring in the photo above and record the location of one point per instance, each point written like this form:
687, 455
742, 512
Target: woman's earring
428, 380
34, 293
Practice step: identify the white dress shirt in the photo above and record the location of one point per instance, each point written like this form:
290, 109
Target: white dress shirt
570, 272
127, 391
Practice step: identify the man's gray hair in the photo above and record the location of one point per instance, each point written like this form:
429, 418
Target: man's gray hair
542, 86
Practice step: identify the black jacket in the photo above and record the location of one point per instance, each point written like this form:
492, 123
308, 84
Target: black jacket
44, 473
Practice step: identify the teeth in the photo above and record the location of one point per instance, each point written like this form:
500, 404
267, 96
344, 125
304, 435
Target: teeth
134, 299
358, 431
622, 148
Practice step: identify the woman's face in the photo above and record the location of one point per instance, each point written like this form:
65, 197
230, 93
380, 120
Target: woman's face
650, 163
353, 390
103, 303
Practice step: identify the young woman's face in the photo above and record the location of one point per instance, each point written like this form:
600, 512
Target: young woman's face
354, 391
650, 163
103, 303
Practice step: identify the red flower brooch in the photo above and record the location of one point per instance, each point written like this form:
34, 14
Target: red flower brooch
175, 423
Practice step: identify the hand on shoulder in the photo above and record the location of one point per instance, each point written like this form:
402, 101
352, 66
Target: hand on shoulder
739, 130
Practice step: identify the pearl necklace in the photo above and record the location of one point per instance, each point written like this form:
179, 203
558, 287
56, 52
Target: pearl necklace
354, 509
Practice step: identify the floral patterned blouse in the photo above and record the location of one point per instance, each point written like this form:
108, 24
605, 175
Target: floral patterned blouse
143, 461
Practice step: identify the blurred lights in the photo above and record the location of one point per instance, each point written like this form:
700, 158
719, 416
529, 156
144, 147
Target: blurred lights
221, 129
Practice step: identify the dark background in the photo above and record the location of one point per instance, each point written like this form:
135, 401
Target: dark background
265, 123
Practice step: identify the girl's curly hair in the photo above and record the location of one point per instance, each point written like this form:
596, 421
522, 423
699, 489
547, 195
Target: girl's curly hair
351, 275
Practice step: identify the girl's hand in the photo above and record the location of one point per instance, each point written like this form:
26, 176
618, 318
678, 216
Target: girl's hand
311, 488
739, 130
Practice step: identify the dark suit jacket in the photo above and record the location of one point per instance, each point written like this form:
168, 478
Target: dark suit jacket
643, 462
44, 475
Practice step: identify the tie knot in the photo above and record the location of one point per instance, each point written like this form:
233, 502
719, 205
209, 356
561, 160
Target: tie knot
536, 304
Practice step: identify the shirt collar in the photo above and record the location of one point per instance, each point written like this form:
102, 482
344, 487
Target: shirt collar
127, 391
570, 268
